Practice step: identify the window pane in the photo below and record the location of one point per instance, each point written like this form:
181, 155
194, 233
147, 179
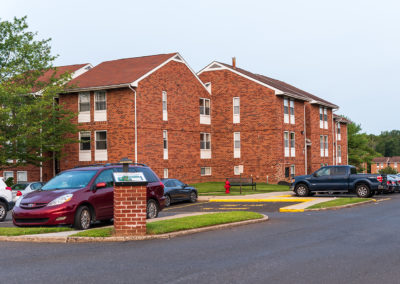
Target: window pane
100, 99
84, 102
85, 141
101, 140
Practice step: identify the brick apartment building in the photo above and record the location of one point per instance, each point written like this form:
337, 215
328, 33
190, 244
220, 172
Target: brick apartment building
195, 127
380, 163
270, 129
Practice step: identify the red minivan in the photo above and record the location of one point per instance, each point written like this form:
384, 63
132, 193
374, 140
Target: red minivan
80, 196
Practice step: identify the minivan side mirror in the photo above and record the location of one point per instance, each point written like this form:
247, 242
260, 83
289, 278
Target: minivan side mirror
101, 185
314, 174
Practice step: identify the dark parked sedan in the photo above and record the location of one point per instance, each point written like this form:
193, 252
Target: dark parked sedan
175, 190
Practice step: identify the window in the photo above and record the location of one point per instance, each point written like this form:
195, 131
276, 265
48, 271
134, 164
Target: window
148, 174
165, 173
292, 145
377, 165
84, 107
22, 176
321, 144
205, 111
325, 118
326, 145
395, 164
292, 171
205, 171
165, 144
205, 146
323, 172
353, 171
100, 100
338, 132
84, 102
321, 117
7, 175
204, 106
205, 141
287, 172
164, 105
286, 143
381, 165
101, 140
236, 145
338, 171
107, 177
285, 110
236, 110
339, 154
85, 141
85, 146
291, 111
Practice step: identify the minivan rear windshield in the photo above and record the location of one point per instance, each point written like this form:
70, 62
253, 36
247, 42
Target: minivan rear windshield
71, 179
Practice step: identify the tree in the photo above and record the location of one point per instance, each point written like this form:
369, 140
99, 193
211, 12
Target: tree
31, 123
388, 171
358, 146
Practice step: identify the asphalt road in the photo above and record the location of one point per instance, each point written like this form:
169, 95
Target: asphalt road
354, 245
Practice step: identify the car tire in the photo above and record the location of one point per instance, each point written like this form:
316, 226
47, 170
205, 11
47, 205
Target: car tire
363, 190
372, 193
83, 218
152, 209
193, 197
167, 201
3, 211
302, 190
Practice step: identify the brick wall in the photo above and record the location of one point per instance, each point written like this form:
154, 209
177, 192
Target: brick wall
261, 129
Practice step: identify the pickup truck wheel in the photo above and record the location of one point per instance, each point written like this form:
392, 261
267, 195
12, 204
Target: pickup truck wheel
302, 190
3, 211
363, 191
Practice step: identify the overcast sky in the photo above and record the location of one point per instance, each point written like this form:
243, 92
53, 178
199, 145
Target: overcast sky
345, 51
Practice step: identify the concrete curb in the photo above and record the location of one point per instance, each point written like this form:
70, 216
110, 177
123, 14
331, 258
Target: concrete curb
288, 199
38, 239
342, 206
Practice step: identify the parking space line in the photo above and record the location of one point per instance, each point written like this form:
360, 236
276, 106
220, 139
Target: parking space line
183, 206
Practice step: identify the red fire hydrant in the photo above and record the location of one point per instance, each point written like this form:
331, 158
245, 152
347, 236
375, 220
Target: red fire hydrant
227, 187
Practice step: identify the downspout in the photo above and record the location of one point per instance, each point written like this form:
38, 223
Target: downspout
335, 142
136, 158
305, 140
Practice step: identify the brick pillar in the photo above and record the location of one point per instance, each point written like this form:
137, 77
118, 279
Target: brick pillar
129, 209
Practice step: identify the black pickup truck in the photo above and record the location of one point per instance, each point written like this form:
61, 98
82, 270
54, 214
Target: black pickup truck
339, 179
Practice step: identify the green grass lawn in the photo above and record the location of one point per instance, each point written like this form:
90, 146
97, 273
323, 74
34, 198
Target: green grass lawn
217, 188
338, 202
12, 231
179, 224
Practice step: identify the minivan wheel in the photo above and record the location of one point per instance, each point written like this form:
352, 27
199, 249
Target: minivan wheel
152, 209
302, 190
3, 211
363, 191
167, 201
83, 218
193, 197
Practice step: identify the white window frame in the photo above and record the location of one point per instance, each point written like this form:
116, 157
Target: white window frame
395, 164
236, 145
207, 171
325, 118
236, 114
165, 173
292, 171
322, 145
165, 144
83, 116
292, 144
339, 154
100, 115
22, 172
285, 110
205, 151
100, 154
10, 173
165, 105
85, 155
338, 136
286, 144
204, 117
291, 111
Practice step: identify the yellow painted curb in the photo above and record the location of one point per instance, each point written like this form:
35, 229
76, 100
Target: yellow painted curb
290, 210
264, 200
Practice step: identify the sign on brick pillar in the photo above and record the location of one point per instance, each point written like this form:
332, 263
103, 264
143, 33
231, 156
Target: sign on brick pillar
130, 204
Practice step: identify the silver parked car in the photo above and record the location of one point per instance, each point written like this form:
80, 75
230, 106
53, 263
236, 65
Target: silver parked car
25, 188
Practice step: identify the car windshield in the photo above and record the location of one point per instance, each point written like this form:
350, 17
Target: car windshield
71, 179
19, 186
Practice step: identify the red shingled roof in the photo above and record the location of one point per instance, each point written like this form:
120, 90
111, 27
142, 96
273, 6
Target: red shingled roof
280, 85
342, 118
60, 70
119, 72
380, 160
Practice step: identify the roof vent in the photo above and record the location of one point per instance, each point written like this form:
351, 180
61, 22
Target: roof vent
234, 62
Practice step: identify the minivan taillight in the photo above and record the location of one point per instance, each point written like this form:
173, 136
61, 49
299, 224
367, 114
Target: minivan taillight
388, 182
379, 178
8, 188
19, 193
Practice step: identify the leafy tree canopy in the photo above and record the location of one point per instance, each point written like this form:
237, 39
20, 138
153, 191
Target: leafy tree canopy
31, 123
